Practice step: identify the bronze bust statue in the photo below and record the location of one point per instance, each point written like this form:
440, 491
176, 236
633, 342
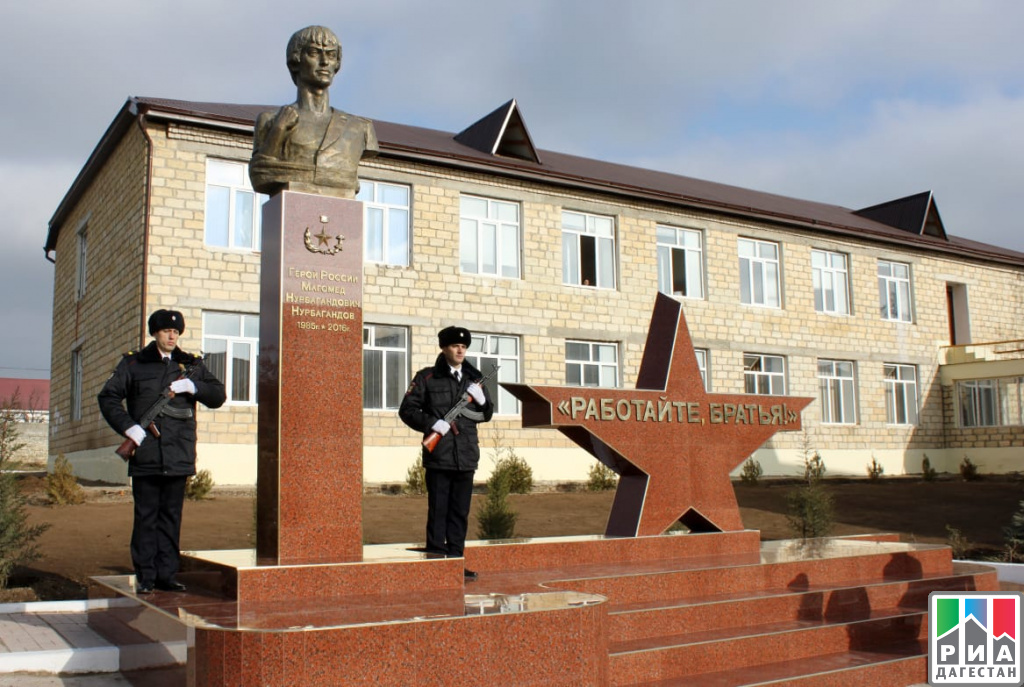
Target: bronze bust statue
309, 146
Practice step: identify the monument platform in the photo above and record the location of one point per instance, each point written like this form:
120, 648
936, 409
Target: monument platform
707, 609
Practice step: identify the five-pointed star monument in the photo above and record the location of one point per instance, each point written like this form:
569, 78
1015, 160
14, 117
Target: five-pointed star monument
672, 443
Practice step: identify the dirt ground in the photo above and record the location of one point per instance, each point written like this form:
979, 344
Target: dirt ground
92, 538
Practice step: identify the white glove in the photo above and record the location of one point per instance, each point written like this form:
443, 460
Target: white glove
477, 393
136, 434
441, 427
183, 386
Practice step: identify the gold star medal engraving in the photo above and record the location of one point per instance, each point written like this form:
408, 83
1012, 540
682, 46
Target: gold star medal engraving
323, 239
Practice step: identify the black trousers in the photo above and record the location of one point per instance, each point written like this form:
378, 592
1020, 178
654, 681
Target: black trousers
157, 529
449, 494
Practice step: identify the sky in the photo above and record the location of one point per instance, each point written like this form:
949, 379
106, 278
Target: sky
850, 103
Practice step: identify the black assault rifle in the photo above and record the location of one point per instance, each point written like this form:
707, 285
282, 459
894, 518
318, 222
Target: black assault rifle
127, 448
430, 442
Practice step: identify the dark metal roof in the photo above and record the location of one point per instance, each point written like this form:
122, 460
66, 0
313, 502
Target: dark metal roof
441, 148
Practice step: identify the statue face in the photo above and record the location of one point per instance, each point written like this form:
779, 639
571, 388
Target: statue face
318, 63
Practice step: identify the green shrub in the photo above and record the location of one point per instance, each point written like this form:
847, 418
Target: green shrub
496, 519
875, 470
752, 471
958, 542
601, 478
17, 537
1013, 536
416, 477
927, 471
811, 509
199, 486
516, 470
968, 470
62, 487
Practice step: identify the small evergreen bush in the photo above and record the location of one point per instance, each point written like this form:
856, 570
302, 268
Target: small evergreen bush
1013, 535
958, 542
968, 470
199, 486
927, 471
17, 537
416, 477
875, 470
601, 478
61, 486
752, 471
811, 507
518, 472
496, 519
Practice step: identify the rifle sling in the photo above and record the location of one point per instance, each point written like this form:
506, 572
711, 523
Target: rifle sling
177, 413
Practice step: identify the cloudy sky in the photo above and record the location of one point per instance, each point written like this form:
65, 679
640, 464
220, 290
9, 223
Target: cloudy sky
852, 103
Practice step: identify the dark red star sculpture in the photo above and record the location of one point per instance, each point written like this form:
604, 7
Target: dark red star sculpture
672, 444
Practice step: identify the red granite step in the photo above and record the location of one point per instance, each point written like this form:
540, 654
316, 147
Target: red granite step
696, 654
636, 621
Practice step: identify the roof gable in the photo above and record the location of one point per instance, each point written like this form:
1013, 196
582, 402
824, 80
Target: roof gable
502, 132
916, 214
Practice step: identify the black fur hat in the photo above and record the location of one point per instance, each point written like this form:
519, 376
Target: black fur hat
453, 335
166, 319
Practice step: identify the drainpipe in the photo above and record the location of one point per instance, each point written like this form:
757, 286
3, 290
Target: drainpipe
141, 121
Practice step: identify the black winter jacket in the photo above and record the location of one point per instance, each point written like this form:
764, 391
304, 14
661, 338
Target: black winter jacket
432, 394
139, 379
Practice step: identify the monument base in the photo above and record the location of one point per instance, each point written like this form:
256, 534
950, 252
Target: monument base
695, 609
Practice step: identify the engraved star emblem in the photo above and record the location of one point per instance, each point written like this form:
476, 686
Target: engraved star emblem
672, 443
323, 237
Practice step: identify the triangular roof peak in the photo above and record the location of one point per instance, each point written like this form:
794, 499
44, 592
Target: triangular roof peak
502, 132
916, 214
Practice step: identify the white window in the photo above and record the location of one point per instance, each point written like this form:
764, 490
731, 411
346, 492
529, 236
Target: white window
991, 402
900, 394
680, 262
588, 250
837, 391
831, 282
80, 275
589, 363
702, 365
489, 241
76, 384
386, 213
385, 366
488, 350
759, 273
233, 208
894, 295
231, 344
764, 374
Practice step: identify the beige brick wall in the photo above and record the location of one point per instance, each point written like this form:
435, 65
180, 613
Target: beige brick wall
432, 292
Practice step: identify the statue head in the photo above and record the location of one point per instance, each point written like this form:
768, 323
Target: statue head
319, 36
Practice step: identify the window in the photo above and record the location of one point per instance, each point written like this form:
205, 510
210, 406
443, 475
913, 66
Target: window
894, 291
900, 394
82, 253
385, 366
231, 344
764, 374
588, 250
386, 220
831, 282
589, 363
991, 402
680, 262
702, 364
76, 384
489, 237
838, 397
488, 350
233, 208
759, 273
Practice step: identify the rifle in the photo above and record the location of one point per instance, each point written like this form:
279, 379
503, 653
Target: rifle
127, 448
430, 442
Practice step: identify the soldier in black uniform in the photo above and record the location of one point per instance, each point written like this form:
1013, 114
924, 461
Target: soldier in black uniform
450, 467
161, 464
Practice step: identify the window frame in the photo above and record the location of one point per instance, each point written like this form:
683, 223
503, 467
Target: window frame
233, 190
749, 267
760, 374
885, 286
388, 252
81, 260
574, 249
592, 363
691, 257
476, 225
838, 392
898, 390
388, 387
77, 377
485, 346
828, 272
232, 342
703, 356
